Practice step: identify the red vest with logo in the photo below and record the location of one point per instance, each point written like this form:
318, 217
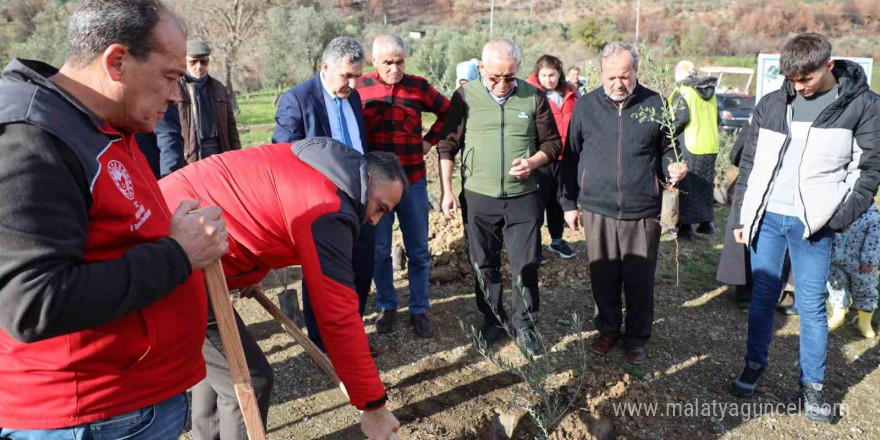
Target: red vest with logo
135, 361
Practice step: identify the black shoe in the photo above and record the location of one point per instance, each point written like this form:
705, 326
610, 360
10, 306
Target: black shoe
812, 402
707, 228
421, 325
385, 323
562, 248
743, 296
686, 232
491, 334
527, 341
751, 377
542, 260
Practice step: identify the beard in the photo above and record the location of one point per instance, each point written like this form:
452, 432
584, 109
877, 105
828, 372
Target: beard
619, 97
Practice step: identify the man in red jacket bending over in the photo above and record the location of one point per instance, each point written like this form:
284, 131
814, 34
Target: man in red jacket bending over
300, 204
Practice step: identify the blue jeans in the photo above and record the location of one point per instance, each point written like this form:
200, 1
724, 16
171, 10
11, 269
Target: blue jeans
810, 263
162, 421
412, 214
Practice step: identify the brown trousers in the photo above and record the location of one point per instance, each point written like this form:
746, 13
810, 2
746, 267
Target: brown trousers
623, 256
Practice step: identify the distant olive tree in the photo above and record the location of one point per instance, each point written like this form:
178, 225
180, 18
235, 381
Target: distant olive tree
47, 42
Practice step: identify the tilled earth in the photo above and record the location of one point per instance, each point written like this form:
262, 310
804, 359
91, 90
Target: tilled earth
442, 388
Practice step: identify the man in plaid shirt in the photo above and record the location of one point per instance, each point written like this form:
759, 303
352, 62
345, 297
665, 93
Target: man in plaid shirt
393, 105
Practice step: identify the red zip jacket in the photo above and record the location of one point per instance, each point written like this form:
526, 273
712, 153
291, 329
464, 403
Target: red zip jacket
99, 313
562, 114
295, 205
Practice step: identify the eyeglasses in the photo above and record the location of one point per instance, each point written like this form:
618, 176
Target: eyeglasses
202, 61
497, 79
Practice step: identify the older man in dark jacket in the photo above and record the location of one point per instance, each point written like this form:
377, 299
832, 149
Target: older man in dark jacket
203, 122
612, 167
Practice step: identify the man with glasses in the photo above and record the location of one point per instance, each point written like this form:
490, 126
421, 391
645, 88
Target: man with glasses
505, 130
202, 123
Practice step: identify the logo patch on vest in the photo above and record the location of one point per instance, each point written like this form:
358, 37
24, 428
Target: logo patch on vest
121, 178
523, 115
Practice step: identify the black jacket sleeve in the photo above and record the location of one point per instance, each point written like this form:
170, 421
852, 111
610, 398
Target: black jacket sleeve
737, 149
549, 140
170, 141
569, 186
46, 287
867, 134
452, 135
746, 161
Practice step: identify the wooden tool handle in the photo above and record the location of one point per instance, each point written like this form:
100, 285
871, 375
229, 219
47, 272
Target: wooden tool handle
311, 349
218, 292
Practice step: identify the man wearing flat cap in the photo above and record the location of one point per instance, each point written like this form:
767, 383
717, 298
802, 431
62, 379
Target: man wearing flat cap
202, 123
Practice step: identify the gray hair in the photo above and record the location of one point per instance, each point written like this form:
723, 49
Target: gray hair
389, 41
617, 47
501, 47
384, 167
97, 24
343, 48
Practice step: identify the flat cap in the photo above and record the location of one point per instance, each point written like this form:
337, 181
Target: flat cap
195, 48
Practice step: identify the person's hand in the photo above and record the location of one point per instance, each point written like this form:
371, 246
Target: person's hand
426, 147
379, 424
866, 268
573, 219
249, 291
200, 232
522, 169
739, 235
449, 205
677, 171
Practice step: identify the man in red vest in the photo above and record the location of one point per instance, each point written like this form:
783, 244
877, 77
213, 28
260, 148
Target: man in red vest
102, 302
286, 205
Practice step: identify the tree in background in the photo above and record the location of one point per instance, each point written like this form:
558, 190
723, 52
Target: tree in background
46, 41
596, 32
296, 43
227, 25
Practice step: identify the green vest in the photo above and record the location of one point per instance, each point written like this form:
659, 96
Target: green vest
495, 135
701, 132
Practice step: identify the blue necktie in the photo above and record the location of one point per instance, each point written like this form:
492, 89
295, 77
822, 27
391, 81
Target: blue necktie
343, 125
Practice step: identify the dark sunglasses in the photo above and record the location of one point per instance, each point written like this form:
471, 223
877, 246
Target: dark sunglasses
498, 79
203, 62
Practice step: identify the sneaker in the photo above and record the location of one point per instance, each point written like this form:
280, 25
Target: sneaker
421, 325
491, 334
786, 304
562, 248
751, 377
812, 403
542, 260
526, 339
385, 323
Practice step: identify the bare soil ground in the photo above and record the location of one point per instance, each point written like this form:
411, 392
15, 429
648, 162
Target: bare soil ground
442, 389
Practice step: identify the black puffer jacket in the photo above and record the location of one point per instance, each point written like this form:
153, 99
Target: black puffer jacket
613, 164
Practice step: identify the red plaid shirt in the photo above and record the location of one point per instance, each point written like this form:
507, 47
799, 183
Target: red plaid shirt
393, 117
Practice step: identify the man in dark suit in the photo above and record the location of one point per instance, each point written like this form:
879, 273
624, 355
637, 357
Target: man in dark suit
329, 106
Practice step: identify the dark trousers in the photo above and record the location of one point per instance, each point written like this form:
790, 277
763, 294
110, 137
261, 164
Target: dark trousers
548, 184
495, 222
215, 410
363, 259
623, 254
